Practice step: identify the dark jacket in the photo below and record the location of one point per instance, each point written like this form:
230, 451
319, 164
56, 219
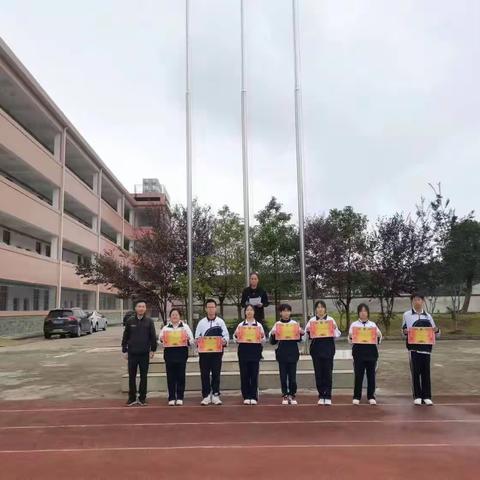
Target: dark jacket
139, 336
287, 350
250, 292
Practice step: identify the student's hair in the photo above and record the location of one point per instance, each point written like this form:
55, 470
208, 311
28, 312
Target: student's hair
284, 306
175, 309
322, 303
248, 306
417, 294
361, 307
211, 300
139, 300
254, 273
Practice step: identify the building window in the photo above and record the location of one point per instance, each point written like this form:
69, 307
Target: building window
85, 301
3, 297
38, 247
46, 300
36, 299
6, 237
26, 304
16, 301
48, 251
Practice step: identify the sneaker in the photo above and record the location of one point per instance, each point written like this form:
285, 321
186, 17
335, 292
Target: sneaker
417, 401
292, 400
328, 401
171, 403
321, 401
285, 400
131, 403
206, 401
216, 400
179, 403
142, 403
427, 401
247, 402
372, 401
356, 401
253, 401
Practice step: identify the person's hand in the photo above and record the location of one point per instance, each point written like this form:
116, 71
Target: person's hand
259, 305
125, 356
405, 331
152, 354
224, 343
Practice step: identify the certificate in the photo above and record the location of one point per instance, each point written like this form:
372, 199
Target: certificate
421, 335
287, 331
322, 329
248, 334
365, 335
210, 344
175, 338
254, 301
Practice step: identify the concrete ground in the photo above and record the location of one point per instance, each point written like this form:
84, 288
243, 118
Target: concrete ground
90, 367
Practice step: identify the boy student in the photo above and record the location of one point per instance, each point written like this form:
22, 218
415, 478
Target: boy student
419, 353
287, 356
365, 356
139, 343
176, 356
322, 351
249, 355
211, 362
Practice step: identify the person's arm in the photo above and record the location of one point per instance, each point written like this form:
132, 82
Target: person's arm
198, 330
435, 328
225, 334
263, 337
191, 340
160, 335
153, 337
126, 337
404, 324
271, 335
350, 333
379, 335
264, 299
336, 333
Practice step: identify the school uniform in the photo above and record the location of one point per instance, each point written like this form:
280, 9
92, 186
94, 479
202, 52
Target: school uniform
211, 363
322, 351
287, 355
176, 362
364, 361
249, 355
420, 354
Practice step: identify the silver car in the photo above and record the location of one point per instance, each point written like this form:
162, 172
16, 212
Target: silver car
97, 320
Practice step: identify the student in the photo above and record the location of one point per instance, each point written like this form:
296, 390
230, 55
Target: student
211, 363
364, 357
255, 295
139, 343
419, 353
287, 356
322, 351
249, 355
176, 358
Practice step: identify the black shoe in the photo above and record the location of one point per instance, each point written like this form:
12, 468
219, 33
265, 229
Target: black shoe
131, 402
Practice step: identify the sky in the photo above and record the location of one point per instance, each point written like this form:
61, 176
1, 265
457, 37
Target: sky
390, 95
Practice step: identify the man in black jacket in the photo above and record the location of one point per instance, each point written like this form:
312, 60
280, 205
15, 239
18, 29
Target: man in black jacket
139, 343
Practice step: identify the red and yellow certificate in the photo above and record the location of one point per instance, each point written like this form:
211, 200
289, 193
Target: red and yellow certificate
248, 334
364, 335
421, 335
210, 344
287, 331
322, 329
175, 338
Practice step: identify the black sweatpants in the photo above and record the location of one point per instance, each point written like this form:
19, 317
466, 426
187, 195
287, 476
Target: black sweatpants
360, 366
137, 361
176, 379
210, 368
420, 368
323, 368
249, 379
288, 377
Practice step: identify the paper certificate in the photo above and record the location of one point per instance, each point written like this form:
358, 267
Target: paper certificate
322, 329
175, 338
364, 335
248, 334
254, 301
421, 335
287, 331
210, 344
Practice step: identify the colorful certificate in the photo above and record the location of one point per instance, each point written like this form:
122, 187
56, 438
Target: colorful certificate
175, 338
248, 334
210, 344
287, 331
364, 335
421, 335
322, 329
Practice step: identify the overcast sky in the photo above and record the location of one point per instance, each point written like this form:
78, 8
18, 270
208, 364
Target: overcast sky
391, 94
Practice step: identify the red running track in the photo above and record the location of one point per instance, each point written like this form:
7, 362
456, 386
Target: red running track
103, 439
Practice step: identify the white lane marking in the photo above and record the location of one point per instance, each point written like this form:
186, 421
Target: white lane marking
65, 355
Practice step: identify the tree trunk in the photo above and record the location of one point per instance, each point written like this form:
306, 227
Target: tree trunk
468, 294
220, 301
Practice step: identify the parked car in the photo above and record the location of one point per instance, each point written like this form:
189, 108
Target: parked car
66, 321
98, 321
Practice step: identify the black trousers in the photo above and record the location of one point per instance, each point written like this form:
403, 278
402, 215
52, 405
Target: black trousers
249, 379
323, 368
210, 368
288, 377
137, 361
176, 379
420, 368
361, 367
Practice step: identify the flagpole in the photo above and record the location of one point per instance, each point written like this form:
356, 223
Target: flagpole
243, 100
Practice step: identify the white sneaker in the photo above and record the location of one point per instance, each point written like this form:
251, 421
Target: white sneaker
372, 401
247, 402
253, 401
321, 401
417, 401
328, 401
285, 400
216, 400
355, 401
179, 403
206, 401
293, 401
171, 403
427, 401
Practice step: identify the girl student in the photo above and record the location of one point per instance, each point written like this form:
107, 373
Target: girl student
287, 356
365, 356
249, 355
176, 358
322, 351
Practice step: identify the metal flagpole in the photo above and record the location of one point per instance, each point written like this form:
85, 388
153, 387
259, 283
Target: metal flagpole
243, 95
299, 157
188, 126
